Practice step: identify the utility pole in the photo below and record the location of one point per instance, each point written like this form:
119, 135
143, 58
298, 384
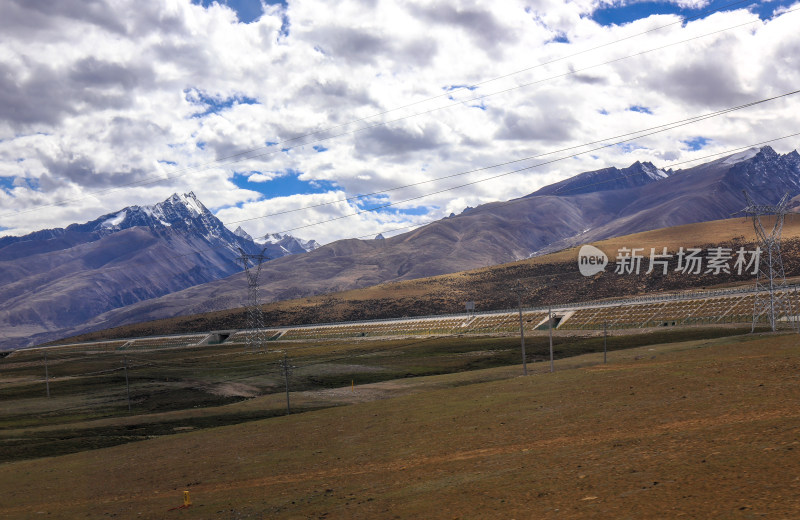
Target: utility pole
127, 385
605, 344
46, 374
519, 288
287, 370
550, 327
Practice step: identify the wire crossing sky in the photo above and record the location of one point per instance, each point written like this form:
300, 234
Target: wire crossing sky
102, 103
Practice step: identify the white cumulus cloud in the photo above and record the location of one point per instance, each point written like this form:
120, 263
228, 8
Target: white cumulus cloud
110, 103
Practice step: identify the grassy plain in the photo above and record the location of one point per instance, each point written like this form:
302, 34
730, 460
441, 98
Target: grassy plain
706, 428
172, 390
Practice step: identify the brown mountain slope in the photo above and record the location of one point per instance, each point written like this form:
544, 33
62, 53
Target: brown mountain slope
551, 279
588, 207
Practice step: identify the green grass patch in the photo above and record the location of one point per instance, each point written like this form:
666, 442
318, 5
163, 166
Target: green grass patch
62, 442
83, 389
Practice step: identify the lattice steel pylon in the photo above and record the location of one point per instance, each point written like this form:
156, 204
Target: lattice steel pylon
772, 296
256, 335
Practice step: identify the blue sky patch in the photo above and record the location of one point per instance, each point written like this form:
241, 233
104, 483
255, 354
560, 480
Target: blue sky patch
286, 184
418, 210
169, 163
246, 10
626, 147
7, 183
319, 148
632, 11
450, 88
641, 109
696, 143
622, 14
765, 10
289, 183
285, 24
394, 211
559, 38
381, 199
215, 104
371, 200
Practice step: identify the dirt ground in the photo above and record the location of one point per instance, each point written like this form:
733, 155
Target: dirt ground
705, 429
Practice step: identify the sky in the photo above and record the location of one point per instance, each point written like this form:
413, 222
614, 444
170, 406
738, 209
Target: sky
374, 115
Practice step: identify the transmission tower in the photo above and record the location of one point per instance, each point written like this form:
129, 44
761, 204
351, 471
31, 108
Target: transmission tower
256, 336
772, 296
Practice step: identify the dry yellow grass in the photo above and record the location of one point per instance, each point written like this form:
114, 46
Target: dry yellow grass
695, 430
673, 238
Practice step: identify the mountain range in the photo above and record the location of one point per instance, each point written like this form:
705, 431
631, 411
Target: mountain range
58, 278
276, 245
588, 207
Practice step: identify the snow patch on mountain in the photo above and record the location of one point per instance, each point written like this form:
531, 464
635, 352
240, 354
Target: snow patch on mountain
308, 245
116, 220
190, 201
654, 173
271, 238
186, 214
607, 179
741, 156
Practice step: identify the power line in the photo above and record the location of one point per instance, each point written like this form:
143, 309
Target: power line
506, 203
236, 158
563, 281
598, 183
676, 124
372, 352
390, 204
544, 154
644, 133
603, 144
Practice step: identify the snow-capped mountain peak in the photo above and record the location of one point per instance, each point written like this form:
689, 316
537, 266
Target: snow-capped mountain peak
607, 179
184, 213
271, 238
177, 204
242, 233
189, 200
653, 172
287, 243
765, 173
